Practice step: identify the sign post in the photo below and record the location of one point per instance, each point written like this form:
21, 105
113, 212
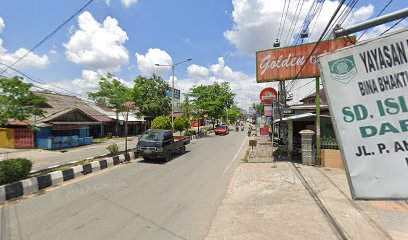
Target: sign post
366, 87
268, 97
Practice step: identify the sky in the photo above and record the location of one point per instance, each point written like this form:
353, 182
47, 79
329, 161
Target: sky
128, 37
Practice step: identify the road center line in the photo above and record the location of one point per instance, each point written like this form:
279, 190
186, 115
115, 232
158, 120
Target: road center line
235, 157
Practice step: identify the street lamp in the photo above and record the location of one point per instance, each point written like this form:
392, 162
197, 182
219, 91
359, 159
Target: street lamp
172, 86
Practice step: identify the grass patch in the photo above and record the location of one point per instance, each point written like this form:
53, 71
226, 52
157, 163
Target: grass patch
101, 140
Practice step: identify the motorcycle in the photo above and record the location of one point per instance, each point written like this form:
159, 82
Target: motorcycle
237, 128
242, 128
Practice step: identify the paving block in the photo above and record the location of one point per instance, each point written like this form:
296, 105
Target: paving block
78, 171
109, 161
30, 185
57, 177
2, 194
95, 166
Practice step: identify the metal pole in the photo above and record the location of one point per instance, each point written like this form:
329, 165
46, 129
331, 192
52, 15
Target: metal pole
318, 156
340, 32
172, 99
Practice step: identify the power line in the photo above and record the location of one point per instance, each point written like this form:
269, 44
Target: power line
284, 21
296, 21
49, 35
34, 80
321, 37
304, 85
395, 24
379, 14
280, 21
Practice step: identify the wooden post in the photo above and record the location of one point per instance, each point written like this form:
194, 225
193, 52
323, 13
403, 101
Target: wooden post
318, 150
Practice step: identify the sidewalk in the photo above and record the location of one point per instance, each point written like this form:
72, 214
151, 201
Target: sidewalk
269, 201
45, 158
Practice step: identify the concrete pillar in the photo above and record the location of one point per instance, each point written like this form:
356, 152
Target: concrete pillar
290, 136
307, 147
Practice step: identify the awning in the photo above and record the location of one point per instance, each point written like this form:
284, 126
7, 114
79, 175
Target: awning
301, 117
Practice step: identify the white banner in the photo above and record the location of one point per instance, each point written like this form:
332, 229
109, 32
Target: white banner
367, 89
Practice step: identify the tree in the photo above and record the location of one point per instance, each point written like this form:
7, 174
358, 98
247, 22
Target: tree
186, 105
113, 94
150, 95
181, 123
234, 114
259, 107
17, 101
161, 122
212, 99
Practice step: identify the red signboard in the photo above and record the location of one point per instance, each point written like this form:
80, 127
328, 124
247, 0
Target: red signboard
264, 131
285, 63
268, 95
268, 110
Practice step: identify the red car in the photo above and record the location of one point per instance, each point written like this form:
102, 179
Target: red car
221, 130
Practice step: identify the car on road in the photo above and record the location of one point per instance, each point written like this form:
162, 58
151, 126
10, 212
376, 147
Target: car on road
161, 144
221, 130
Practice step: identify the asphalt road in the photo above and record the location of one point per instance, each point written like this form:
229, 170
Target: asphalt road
139, 200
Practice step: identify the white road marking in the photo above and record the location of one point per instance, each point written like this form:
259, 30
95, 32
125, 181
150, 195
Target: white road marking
235, 157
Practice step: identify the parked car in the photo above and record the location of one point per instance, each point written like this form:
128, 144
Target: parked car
161, 144
223, 129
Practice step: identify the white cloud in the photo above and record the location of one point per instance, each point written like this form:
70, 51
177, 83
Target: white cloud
244, 86
88, 82
108, 2
128, 3
97, 45
31, 60
146, 63
376, 31
2, 25
256, 23
197, 72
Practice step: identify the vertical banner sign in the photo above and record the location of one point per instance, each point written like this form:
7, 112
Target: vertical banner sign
268, 110
367, 89
285, 63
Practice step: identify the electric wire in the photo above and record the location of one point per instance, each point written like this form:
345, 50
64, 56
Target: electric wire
379, 14
395, 24
293, 23
280, 21
321, 37
50, 35
294, 26
284, 20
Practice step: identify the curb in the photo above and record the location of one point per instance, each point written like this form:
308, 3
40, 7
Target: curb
36, 184
197, 136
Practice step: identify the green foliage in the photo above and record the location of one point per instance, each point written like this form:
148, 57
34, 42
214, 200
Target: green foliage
280, 152
16, 100
12, 170
112, 93
113, 149
234, 114
190, 133
149, 94
212, 99
181, 123
161, 122
259, 107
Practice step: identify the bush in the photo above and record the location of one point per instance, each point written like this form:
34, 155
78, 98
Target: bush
181, 123
281, 151
12, 170
190, 133
162, 122
113, 149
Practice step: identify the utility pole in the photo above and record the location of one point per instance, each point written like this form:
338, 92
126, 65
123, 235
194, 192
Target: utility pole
317, 100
